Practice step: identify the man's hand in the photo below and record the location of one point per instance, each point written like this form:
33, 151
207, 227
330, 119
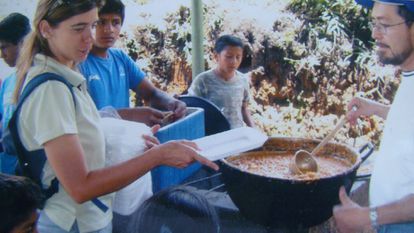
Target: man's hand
365, 107
349, 216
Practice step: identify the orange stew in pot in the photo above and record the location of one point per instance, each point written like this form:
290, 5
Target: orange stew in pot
276, 165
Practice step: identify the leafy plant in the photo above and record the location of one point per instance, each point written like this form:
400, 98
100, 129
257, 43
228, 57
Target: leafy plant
305, 58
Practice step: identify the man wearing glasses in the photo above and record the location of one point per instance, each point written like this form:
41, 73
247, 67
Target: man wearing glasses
392, 183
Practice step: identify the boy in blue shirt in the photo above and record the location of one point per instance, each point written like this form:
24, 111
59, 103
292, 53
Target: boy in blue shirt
13, 29
111, 73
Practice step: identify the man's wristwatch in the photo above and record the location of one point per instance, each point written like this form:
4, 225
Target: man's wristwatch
373, 216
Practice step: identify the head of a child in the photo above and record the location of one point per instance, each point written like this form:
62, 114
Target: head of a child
228, 52
177, 210
13, 29
111, 18
19, 200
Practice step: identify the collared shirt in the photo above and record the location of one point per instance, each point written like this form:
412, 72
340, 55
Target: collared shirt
50, 112
393, 173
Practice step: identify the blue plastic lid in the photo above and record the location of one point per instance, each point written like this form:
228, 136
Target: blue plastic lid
407, 3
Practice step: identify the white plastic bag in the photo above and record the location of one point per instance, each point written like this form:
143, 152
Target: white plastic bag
124, 141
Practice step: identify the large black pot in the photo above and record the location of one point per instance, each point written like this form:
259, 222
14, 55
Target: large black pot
291, 203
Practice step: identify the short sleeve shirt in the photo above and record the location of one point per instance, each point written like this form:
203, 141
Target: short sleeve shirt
393, 172
228, 96
110, 79
50, 112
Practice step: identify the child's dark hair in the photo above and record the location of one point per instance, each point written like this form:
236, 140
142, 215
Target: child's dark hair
227, 40
19, 197
177, 210
14, 28
113, 7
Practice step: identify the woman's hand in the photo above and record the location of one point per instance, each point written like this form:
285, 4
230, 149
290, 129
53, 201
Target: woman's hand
151, 141
181, 154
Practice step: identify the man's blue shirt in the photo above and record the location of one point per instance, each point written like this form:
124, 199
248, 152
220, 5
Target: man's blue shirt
8, 162
6, 99
110, 79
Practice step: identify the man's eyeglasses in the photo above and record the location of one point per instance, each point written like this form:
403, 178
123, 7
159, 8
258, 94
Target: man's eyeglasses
382, 28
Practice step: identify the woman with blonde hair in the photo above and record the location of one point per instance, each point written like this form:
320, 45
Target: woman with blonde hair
65, 123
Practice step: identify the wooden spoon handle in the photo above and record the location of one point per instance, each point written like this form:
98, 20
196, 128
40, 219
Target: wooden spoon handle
338, 126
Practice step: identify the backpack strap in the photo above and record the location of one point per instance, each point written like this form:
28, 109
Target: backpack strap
32, 162
38, 80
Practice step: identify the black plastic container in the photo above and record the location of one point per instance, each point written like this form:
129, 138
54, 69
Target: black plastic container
291, 203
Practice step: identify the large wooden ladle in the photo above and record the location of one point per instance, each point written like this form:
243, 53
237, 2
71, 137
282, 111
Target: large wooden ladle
304, 162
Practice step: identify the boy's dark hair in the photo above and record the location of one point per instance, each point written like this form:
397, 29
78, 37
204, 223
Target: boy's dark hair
177, 210
19, 197
227, 40
14, 28
113, 7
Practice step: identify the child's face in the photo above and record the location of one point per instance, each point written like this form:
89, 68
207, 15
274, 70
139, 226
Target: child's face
108, 30
229, 58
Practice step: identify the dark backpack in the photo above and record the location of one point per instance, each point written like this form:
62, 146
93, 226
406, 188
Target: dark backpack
31, 163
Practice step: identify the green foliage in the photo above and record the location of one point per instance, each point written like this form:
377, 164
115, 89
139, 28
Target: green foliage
305, 59
335, 19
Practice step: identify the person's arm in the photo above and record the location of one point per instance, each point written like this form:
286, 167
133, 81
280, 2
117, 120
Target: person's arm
197, 85
159, 99
397, 212
350, 217
67, 159
365, 107
146, 115
247, 117
143, 87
